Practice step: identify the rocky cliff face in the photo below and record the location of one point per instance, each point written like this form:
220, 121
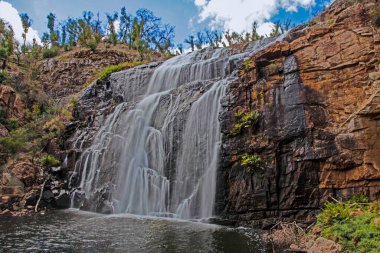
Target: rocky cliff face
318, 134
69, 73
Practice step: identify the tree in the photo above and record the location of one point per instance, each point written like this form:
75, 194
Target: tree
163, 38
151, 25
228, 37
138, 43
200, 40
26, 24
254, 35
6, 43
63, 36
54, 35
210, 38
276, 29
180, 48
72, 29
45, 40
190, 41
112, 36
126, 25
86, 36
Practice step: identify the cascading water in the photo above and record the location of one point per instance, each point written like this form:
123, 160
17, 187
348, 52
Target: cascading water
160, 156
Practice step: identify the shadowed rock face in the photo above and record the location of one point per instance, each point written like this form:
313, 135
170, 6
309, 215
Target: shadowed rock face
317, 93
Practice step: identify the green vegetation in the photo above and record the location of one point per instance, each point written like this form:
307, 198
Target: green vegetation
7, 43
375, 18
3, 76
106, 72
49, 161
247, 64
73, 102
49, 53
252, 162
43, 123
273, 67
354, 224
246, 120
16, 141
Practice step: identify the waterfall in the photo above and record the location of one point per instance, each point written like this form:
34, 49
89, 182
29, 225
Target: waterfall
157, 153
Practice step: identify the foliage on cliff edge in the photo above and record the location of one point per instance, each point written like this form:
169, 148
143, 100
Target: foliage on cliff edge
354, 224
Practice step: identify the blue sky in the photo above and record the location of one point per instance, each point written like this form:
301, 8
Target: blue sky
187, 15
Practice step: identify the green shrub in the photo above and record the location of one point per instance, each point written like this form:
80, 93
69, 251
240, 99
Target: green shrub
49, 161
245, 121
3, 76
355, 234
92, 44
106, 72
334, 212
73, 102
49, 53
252, 162
360, 198
16, 141
247, 64
12, 123
351, 224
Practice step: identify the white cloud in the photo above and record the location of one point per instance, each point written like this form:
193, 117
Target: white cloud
238, 15
11, 15
265, 28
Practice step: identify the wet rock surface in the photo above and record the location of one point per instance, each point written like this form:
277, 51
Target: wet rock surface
317, 94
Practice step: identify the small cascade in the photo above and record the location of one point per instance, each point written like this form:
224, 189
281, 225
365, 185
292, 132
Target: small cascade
195, 182
157, 154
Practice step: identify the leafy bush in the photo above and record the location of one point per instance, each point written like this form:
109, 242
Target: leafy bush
352, 224
12, 123
245, 121
355, 234
92, 44
16, 141
3, 76
334, 212
49, 53
247, 64
360, 198
106, 72
50, 161
73, 102
252, 162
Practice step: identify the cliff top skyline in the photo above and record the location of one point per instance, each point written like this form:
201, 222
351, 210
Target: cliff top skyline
188, 16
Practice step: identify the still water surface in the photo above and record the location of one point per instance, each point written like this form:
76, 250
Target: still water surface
74, 231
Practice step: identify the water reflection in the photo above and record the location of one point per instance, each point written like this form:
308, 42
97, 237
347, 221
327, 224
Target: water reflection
73, 231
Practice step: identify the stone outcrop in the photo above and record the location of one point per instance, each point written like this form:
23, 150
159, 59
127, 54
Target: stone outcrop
317, 94
69, 73
11, 104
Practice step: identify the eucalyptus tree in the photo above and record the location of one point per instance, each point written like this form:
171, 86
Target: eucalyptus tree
54, 34
6, 43
112, 36
26, 24
190, 40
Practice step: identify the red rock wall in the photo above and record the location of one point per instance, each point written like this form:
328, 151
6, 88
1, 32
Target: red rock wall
317, 92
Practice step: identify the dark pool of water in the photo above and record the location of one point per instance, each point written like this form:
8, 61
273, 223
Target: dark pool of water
73, 231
